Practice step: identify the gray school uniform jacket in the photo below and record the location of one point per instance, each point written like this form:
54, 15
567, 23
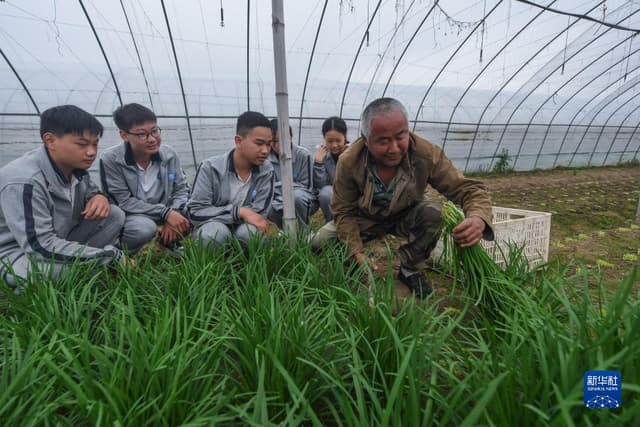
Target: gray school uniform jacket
324, 173
211, 195
119, 177
302, 171
36, 214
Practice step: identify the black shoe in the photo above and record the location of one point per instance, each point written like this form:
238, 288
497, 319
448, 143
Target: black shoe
417, 283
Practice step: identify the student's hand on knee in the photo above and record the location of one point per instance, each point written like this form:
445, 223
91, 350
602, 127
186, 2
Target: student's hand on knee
469, 232
255, 219
97, 208
168, 235
177, 221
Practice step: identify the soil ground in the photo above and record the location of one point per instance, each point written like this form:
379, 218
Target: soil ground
593, 222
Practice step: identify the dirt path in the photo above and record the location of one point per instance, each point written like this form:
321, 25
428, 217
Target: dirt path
563, 178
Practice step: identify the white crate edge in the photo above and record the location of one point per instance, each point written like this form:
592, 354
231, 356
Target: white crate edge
516, 226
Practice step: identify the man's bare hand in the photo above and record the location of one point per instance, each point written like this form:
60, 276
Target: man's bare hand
362, 260
254, 219
469, 232
178, 222
97, 208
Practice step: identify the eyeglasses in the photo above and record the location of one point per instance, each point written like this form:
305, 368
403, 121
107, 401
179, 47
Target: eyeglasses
155, 132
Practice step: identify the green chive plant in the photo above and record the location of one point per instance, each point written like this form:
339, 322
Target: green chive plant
275, 336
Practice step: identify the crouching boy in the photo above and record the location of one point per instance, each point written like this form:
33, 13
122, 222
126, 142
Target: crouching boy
232, 192
145, 180
51, 213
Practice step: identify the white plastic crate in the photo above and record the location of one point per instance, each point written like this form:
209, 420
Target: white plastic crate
517, 227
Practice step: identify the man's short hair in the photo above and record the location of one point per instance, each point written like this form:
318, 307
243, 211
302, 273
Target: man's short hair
378, 107
132, 114
274, 127
65, 119
249, 120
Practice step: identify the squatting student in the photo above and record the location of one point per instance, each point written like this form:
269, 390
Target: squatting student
232, 192
144, 178
51, 213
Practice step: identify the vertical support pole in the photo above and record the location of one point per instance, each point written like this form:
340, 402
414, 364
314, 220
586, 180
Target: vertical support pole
282, 104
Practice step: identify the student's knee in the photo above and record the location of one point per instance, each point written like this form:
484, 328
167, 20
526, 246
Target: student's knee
116, 217
212, 233
137, 231
245, 232
305, 205
324, 199
325, 195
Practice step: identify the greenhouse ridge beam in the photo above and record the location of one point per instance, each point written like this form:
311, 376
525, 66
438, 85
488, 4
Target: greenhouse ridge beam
606, 70
306, 78
353, 65
184, 97
115, 83
580, 16
513, 76
24, 86
475, 79
453, 55
514, 110
135, 46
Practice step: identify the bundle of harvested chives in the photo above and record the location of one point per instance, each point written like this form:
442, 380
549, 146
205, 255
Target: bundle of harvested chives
480, 275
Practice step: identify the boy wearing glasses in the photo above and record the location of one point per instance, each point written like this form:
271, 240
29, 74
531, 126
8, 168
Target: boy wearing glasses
51, 213
232, 192
145, 180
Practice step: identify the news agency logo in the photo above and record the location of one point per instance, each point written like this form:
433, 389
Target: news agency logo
602, 389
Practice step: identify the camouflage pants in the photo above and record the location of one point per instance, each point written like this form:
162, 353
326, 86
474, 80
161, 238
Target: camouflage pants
419, 224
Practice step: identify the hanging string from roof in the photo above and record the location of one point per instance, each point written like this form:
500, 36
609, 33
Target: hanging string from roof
484, 27
221, 14
367, 33
350, 6
566, 41
506, 36
626, 70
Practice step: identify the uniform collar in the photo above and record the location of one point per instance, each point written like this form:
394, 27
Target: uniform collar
78, 173
128, 155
